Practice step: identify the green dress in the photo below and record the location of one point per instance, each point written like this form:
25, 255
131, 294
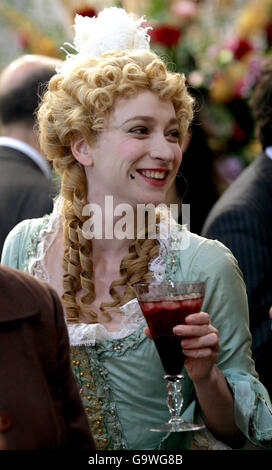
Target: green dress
120, 375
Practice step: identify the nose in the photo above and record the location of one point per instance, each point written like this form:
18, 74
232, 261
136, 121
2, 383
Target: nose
161, 149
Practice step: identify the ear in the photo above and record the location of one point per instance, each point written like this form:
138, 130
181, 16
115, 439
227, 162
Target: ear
81, 150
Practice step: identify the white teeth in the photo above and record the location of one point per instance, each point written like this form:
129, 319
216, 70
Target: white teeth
157, 175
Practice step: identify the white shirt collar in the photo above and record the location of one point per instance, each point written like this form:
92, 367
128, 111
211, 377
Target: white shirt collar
29, 151
268, 152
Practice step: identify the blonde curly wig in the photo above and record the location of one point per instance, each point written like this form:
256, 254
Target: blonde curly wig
79, 102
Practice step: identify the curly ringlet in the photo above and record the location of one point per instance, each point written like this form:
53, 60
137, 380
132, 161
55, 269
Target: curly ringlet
79, 102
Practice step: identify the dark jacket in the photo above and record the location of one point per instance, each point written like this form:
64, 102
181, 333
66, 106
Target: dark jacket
242, 220
40, 405
25, 192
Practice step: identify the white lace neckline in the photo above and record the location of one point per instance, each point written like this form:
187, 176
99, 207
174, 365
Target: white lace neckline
84, 333
132, 319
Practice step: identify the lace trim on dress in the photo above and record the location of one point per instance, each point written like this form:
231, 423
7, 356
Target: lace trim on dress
132, 318
204, 440
45, 238
87, 334
31, 247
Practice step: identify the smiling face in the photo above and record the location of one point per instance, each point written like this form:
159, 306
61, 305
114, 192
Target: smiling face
137, 155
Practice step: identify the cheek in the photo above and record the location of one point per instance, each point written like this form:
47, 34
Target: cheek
178, 156
177, 161
131, 150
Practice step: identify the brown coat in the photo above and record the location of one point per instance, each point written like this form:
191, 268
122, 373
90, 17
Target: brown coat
40, 406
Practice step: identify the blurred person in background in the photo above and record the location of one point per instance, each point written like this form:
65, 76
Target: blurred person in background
263, 362
2, 439
40, 406
93, 129
241, 219
194, 183
26, 186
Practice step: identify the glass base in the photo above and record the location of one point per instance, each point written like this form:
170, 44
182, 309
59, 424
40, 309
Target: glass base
179, 426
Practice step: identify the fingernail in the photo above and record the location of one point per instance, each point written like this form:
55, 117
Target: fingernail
178, 330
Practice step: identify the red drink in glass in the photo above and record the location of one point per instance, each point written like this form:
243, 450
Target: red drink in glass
165, 305
161, 316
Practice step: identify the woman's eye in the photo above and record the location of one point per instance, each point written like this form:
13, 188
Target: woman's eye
139, 130
175, 135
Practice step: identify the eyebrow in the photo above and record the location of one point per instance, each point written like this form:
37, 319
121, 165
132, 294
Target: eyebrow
148, 119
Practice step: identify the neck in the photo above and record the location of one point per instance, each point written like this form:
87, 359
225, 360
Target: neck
113, 234
113, 223
107, 256
23, 132
110, 248
173, 197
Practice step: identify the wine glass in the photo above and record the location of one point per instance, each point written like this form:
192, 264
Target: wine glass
165, 305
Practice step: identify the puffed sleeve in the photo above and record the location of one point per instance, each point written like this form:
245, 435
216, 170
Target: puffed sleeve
226, 302
14, 249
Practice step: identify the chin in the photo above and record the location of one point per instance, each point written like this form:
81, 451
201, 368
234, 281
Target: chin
152, 200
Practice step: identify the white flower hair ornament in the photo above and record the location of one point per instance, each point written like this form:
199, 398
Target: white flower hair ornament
113, 28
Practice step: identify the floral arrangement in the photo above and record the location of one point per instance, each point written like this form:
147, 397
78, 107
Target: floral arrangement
29, 36
218, 44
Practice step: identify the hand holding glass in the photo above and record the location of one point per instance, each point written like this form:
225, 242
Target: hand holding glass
165, 305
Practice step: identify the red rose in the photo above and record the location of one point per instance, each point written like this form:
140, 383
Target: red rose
166, 35
86, 12
239, 134
242, 47
23, 41
239, 47
268, 31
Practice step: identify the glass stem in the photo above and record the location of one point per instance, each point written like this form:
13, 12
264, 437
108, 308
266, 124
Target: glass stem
174, 396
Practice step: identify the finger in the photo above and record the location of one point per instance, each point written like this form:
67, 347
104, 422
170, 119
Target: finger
198, 318
204, 353
207, 341
147, 332
194, 330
